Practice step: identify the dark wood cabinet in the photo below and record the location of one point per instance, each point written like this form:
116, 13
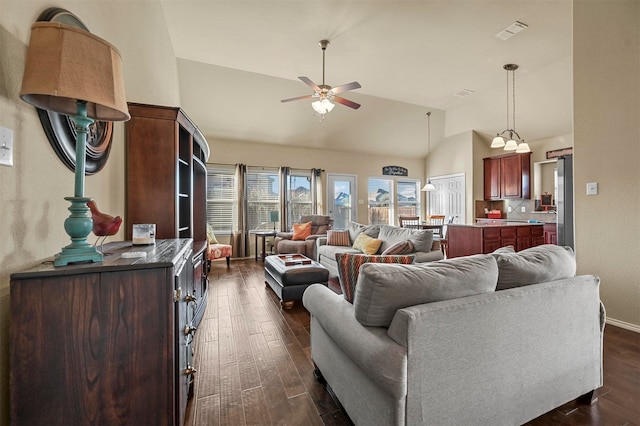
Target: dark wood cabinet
550, 233
103, 343
166, 182
507, 176
465, 240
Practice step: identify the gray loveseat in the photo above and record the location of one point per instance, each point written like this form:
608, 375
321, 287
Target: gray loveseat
427, 249
434, 344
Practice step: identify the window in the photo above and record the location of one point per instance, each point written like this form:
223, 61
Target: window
221, 190
408, 197
299, 200
380, 201
263, 195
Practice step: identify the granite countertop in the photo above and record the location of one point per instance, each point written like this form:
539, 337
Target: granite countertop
487, 220
495, 223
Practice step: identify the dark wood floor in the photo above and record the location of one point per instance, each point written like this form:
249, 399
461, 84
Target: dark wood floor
254, 364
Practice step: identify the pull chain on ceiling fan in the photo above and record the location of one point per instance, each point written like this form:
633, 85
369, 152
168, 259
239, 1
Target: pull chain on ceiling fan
326, 93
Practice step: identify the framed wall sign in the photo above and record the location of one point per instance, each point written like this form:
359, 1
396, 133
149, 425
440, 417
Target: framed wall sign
394, 171
59, 128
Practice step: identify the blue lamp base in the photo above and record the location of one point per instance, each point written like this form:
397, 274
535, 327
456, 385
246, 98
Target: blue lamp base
78, 226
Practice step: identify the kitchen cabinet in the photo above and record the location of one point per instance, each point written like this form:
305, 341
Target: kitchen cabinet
103, 343
550, 233
465, 240
507, 177
166, 182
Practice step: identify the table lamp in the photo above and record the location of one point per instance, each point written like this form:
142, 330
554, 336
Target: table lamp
274, 216
72, 72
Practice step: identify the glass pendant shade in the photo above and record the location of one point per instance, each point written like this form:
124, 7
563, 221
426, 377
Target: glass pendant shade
523, 147
511, 145
498, 142
428, 187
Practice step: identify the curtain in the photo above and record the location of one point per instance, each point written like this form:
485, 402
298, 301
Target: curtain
285, 172
316, 191
241, 234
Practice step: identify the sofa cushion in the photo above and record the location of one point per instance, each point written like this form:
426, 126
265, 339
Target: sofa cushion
338, 238
356, 228
383, 289
349, 267
534, 265
366, 244
422, 239
401, 247
301, 231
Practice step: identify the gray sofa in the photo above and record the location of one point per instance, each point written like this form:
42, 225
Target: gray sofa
427, 249
434, 344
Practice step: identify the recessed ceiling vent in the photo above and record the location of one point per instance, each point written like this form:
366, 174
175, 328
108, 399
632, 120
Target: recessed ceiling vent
511, 30
464, 93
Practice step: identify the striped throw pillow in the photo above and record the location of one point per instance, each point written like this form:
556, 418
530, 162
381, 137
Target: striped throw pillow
401, 247
338, 238
349, 268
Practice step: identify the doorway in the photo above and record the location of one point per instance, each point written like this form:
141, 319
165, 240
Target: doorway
341, 199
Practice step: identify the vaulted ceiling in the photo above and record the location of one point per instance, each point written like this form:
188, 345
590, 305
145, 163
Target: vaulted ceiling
237, 59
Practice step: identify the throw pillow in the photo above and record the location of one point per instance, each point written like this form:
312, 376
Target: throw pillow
301, 231
534, 265
366, 244
383, 289
338, 238
422, 239
211, 237
349, 268
401, 247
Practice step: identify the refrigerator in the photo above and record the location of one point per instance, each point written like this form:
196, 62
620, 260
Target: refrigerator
564, 201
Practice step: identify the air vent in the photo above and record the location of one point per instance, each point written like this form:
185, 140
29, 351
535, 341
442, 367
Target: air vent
464, 93
511, 30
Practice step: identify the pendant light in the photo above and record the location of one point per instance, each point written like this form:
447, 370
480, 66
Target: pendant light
429, 186
514, 142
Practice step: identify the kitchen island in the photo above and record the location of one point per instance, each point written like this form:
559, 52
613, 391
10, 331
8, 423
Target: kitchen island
478, 238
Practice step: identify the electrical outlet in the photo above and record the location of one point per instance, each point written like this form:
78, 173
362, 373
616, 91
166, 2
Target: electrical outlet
6, 147
509, 209
523, 209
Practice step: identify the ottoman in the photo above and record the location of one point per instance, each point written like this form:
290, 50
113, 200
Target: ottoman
290, 275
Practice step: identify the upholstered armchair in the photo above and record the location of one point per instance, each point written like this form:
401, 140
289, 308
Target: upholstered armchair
303, 238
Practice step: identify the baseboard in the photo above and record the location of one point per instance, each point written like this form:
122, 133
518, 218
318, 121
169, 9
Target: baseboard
625, 325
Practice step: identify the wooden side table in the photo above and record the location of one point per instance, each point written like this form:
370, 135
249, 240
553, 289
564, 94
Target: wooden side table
263, 235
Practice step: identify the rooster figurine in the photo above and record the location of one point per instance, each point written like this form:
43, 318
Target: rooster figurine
104, 225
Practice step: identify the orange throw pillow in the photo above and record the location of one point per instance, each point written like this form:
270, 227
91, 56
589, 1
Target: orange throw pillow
301, 231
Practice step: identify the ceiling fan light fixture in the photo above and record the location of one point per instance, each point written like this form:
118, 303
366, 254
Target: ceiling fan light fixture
322, 106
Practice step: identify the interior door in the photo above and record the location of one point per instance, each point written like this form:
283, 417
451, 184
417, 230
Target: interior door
449, 197
341, 199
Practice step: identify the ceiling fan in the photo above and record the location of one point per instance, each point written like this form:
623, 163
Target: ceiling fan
326, 93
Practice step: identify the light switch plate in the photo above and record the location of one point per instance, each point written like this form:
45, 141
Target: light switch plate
592, 188
6, 147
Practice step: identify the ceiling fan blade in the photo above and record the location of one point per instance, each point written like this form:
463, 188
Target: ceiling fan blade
346, 102
310, 83
297, 98
349, 86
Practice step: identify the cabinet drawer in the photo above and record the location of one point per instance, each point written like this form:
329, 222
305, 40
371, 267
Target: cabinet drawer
508, 232
537, 231
523, 231
492, 233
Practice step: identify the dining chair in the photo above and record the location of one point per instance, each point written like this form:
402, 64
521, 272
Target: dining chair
436, 220
409, 221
